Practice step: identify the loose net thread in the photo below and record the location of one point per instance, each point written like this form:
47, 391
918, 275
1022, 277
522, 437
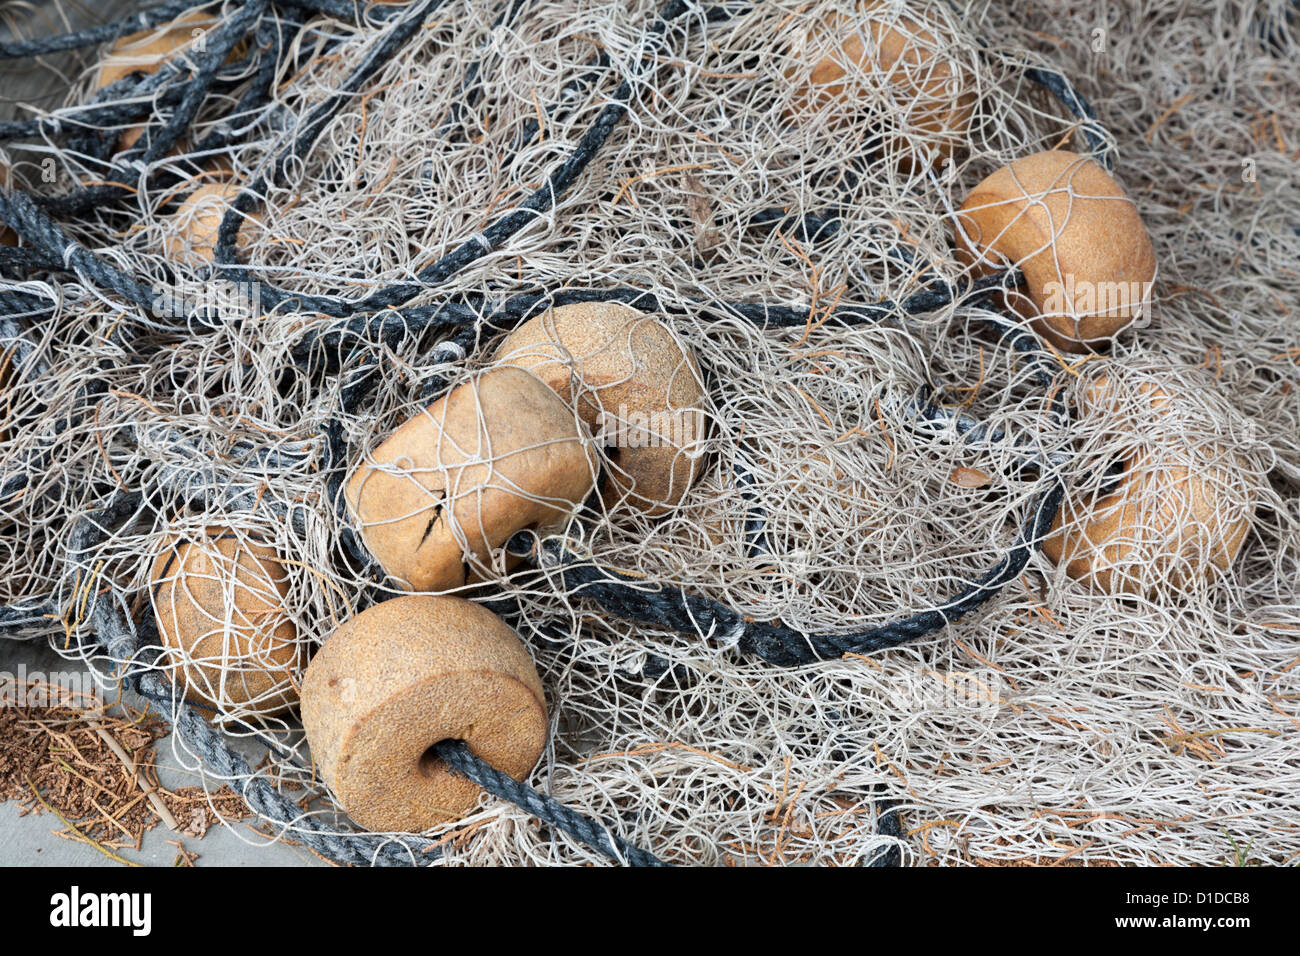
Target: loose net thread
1054, 722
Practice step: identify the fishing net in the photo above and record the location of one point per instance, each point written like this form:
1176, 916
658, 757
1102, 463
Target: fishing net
854, 468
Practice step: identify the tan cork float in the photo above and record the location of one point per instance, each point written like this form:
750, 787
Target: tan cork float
497, 454
196, 223
219, 603
635, 385
403, 676
934, 95
1171, 520
1077, 237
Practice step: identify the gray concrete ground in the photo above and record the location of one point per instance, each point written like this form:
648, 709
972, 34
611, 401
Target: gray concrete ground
31, 841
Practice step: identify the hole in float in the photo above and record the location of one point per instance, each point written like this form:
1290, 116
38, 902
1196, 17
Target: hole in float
431, 765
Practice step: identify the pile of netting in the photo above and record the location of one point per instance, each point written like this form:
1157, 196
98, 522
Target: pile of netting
846, 642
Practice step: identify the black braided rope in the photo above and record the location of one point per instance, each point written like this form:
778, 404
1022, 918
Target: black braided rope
144, 20
352, 12
1094, 134
531, 210
474, 314
889, 823
104, 109
27, 615
672, 608
593, 833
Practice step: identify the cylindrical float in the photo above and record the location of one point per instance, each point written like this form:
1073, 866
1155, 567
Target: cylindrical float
1180, 511
1066, 224
497, 454
634, 383
195, 225
400, 678
219, 602
932, 96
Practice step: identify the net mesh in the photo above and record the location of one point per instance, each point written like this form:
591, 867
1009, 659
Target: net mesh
1060, 721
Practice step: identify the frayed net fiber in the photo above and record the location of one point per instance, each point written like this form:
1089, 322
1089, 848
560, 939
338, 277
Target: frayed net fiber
1130, 698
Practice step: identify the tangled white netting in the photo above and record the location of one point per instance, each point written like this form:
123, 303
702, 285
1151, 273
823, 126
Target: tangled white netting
1057, 722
